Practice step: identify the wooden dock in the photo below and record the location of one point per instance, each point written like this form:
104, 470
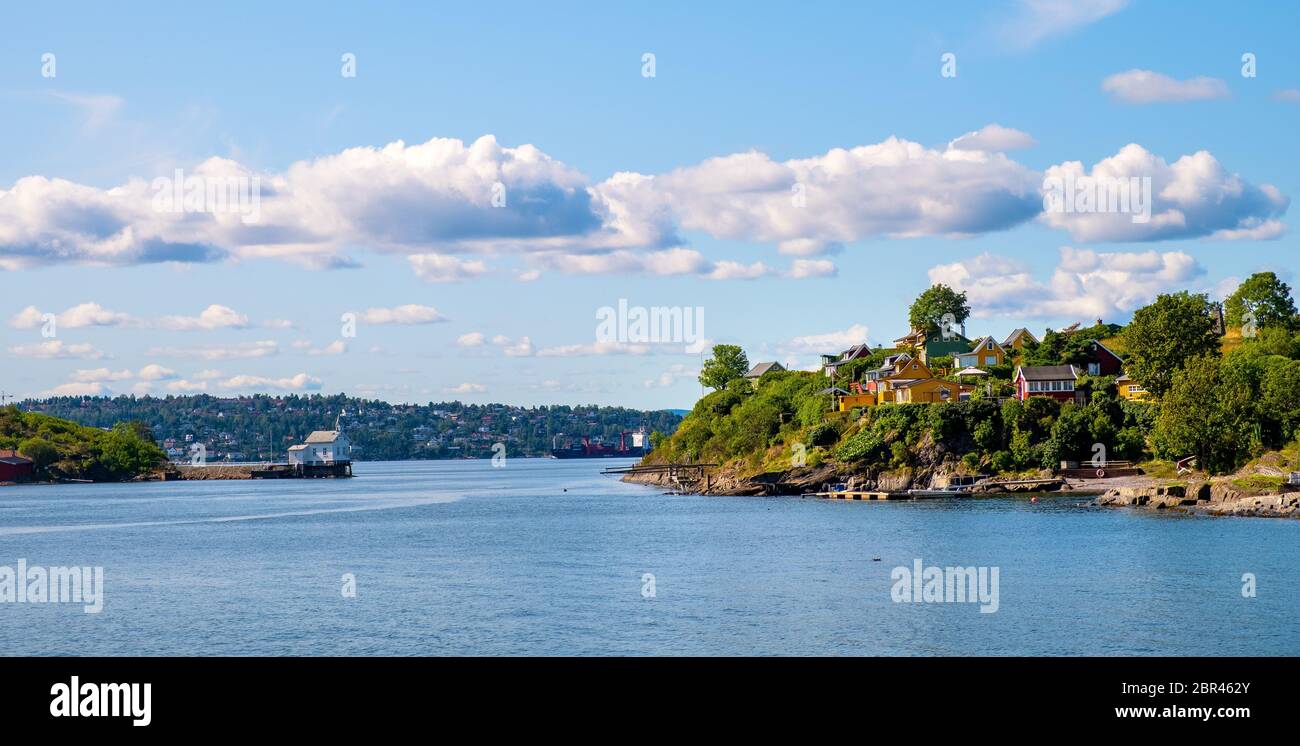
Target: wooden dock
860, 495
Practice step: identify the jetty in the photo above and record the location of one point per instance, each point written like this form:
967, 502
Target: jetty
862, 495
685, 477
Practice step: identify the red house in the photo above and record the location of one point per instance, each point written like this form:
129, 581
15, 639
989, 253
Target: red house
1100, 361
14, 468
1051, 381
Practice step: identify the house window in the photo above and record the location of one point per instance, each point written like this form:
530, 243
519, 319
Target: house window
1094, 369
990, 360
1067, 386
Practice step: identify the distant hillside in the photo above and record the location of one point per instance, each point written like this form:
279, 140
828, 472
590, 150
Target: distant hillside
253, 428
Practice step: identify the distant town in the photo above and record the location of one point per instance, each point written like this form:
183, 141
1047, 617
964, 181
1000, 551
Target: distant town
263, 427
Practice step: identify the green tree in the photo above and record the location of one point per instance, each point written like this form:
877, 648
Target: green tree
1266, 298
1205, 416
727, 364
929, 308
41, 451
1164, 335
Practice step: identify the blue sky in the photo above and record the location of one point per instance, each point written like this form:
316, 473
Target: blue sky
668, 191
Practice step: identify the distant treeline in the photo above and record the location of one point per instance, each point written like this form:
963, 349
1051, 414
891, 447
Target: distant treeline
257, 427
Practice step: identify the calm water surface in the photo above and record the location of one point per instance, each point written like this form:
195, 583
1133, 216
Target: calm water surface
547, 557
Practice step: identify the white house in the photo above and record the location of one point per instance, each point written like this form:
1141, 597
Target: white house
322, 448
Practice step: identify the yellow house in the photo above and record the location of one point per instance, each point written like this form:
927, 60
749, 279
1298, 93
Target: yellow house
1016, 341
931, 390
852, 401
909, 369
985, 353
1131, 389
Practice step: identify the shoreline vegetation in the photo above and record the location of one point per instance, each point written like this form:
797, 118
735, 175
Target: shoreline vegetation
1200, 410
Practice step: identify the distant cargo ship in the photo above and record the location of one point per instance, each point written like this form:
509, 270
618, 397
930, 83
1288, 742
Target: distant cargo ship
630, 445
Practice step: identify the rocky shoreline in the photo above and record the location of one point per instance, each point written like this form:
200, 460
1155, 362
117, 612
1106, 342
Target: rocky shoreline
1214, 497
1204, 498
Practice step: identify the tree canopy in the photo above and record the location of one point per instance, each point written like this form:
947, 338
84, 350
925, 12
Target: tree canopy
728, 363
930, 307
1267, 301
1164, 335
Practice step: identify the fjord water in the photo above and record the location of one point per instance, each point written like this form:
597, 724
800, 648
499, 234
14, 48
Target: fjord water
548, 557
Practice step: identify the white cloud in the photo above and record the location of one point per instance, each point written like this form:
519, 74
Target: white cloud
57, 349
666, 262
671, 376
299, 382
77, 389
1085, 285
595, 349
1149, 87
262, 348
185, 386
410, 313
467, 388
728, 270
1289, 95
1037, 20
215, 316
828, 342
805, 268
100, 374
337, 347
155, 372
82, 315
994, 138
1193, 197
78, 316
892, 188
523, 347
472, 339
445, 268
432, 202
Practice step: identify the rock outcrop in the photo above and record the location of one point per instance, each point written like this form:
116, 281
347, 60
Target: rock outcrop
1211, 498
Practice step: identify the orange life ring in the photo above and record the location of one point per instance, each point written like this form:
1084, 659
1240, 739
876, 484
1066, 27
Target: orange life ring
1101, 473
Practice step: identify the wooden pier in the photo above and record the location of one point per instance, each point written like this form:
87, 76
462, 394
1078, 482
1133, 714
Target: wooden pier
860, 495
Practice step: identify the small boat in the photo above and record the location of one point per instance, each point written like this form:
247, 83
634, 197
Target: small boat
957, 486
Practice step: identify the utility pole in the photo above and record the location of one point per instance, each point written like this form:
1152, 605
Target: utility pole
4, 395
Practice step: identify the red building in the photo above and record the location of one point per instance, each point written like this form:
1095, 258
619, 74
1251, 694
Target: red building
1100, 361
14, 468
1051, 381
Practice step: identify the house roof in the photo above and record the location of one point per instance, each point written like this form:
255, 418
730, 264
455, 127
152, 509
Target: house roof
1011, 338
298, 447
1048, 372
1108, 350
977, 344
322, 436
911, 335
15, 460
834, 390
972, 371
761, 368
914, 381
